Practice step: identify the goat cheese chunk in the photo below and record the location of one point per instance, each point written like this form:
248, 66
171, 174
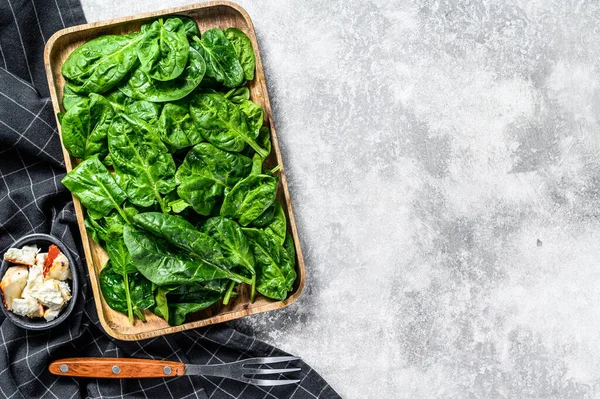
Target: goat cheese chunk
65, 290
40, 259
13, 283
24, 256
59, 269
50, 295
27, 307
34, 281
51, 314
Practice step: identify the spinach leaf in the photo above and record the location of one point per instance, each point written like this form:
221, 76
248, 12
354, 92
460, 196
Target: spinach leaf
189, 27
290, 248
147, 111
143, 166
121, 264
164, 49
265, 218
264, 139
101, 231
118, 100
162, 265
187, 299
119, 256
243, 48
275, 273
179, 311
277, 227
204, 174
107, 228
249, 198
95, 187
265, 142
176, 127
100, 64
94, 229
85, 127
180, 233
178, 206
160, 299
70, 98
254, 114
222, 62
142, 294
175, 303
114, 290
224, 168
223, 123
198, 292
238, 95
201, 193
232, 240
142, 87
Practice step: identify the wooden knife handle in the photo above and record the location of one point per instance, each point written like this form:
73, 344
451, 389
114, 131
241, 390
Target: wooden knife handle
104, 367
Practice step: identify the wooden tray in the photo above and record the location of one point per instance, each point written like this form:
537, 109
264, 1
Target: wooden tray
221, 14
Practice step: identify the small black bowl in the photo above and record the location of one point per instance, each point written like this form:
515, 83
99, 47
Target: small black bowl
43, 241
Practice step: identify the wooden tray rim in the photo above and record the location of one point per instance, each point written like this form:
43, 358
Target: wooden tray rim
219, 318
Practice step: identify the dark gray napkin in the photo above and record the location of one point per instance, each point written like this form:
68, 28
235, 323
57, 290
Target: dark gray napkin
32, 199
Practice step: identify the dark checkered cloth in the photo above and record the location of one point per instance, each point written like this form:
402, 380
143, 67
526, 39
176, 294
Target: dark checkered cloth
32, 199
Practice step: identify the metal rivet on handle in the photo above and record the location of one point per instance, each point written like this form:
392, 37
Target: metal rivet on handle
64, 368
116, 369
167, 370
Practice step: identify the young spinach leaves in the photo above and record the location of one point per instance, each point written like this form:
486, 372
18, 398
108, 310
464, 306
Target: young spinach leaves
249, 198
206, 172
149, 125
164, 49
163, 265
274, 267
243, 48
95, 188
85, 127
102, 63
144, 167
142, 86
176, 127
222, 62
223, 123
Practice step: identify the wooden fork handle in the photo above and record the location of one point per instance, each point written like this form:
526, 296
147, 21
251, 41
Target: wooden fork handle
104, 367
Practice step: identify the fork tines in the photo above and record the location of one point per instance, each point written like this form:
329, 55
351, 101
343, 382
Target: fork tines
249, 371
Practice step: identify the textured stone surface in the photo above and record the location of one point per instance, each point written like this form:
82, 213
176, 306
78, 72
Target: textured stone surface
443, 161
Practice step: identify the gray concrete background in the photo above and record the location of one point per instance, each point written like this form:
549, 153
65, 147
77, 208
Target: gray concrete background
443, 158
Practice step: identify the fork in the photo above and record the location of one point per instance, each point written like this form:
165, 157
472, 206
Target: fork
242, 370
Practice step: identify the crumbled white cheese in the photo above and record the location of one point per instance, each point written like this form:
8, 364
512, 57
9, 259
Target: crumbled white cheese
49, 295
13, 283
34, 281
23, 256
27, 307
59, 269
39, 312
37, 290
51, 314
65, 290
40, 259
